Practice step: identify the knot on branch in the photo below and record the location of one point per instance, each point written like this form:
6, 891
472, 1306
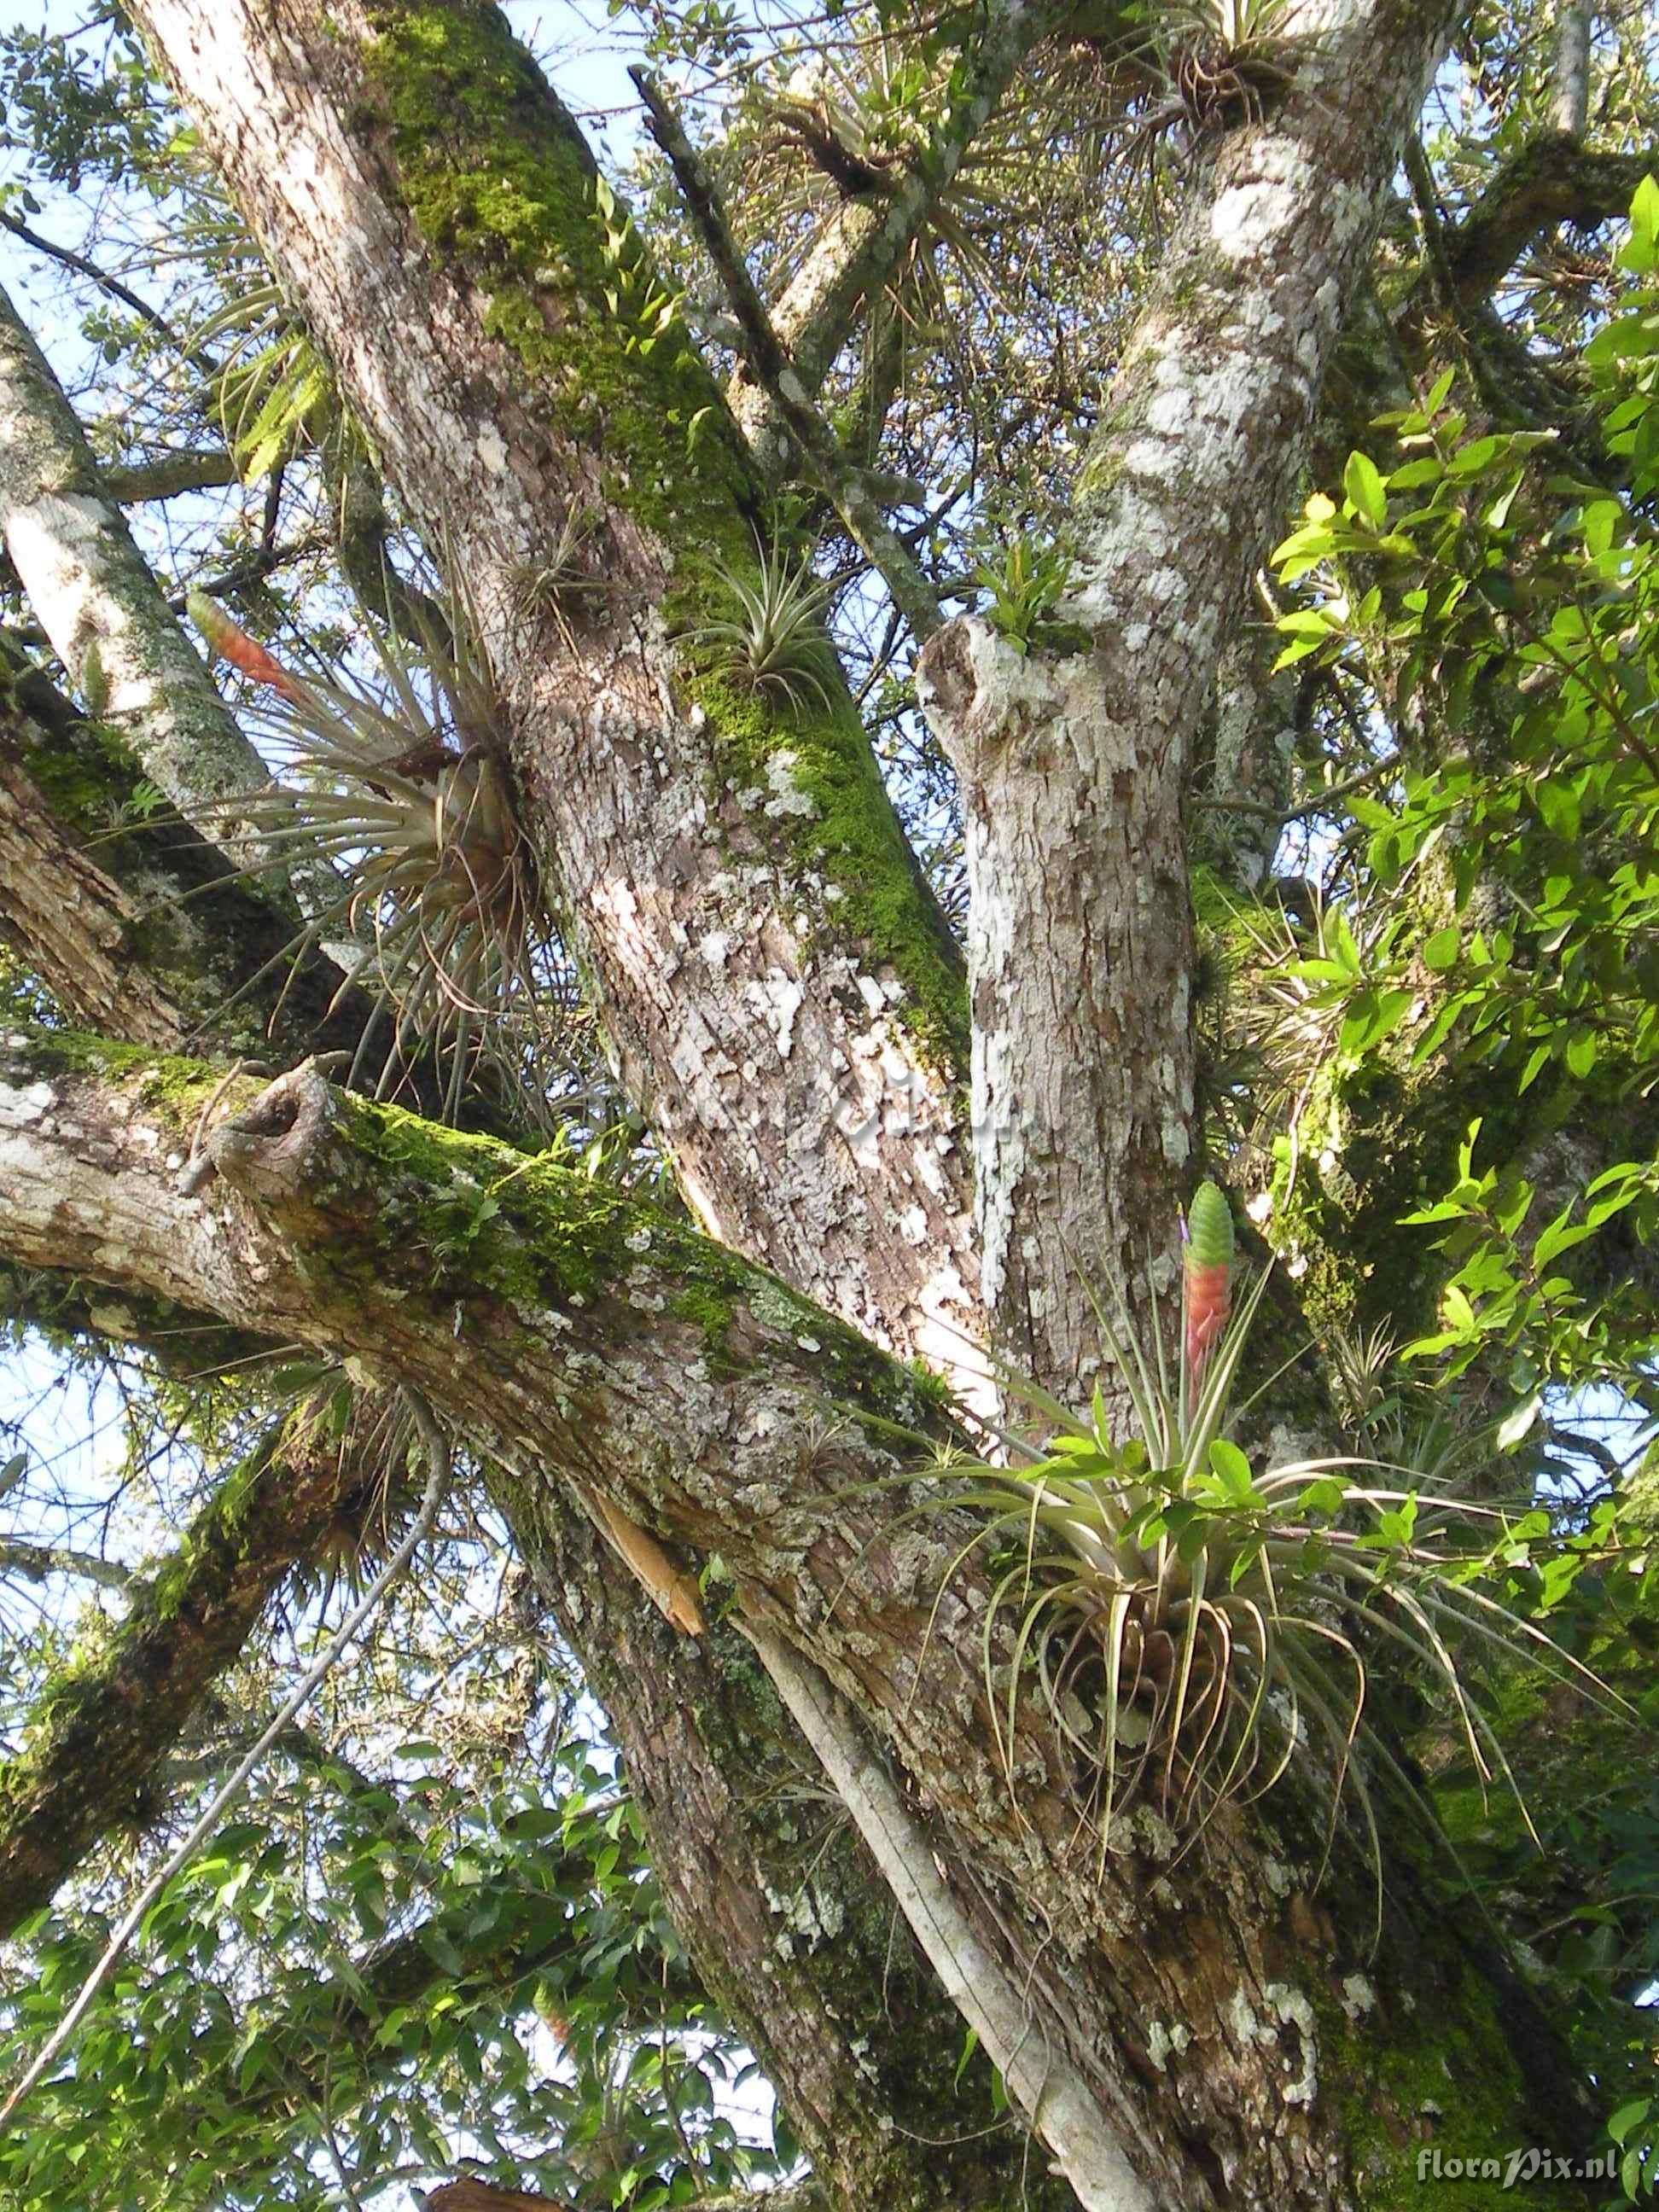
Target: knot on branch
978, 691
268, 1149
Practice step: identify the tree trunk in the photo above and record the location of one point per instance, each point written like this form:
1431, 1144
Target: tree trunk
1074, 758
780, 992
1238, 2038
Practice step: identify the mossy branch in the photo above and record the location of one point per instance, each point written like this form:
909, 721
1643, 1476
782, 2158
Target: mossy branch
102, 1724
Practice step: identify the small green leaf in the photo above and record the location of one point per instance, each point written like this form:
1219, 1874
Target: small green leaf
1363, 484
1518, 1423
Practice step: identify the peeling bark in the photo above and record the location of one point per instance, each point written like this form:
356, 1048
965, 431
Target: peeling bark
72, 923
140, 926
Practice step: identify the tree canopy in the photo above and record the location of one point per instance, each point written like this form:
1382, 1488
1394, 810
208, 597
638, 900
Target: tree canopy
829, 1105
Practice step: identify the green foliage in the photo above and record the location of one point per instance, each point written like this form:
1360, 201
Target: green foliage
1198, 1631
1488, 573
1634, 2129
768, 638
404, 1966
1027, 583
273, 390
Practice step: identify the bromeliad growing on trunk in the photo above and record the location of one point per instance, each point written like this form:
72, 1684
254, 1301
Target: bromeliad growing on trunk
397, 800
1197, 1628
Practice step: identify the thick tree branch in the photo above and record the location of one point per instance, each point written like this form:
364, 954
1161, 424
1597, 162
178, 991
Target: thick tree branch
1086, 2147
794, 1931
38, 1563
132, 921
97, 600
1074, 765
1554, 180
1569, 73
439, 1466
71, 922
169, 476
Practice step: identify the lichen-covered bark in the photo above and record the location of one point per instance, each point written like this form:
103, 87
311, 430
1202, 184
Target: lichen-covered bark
1242, 2042
104, 1720
776, 984
794, 1934
1079, 953
1074, 762
95, 598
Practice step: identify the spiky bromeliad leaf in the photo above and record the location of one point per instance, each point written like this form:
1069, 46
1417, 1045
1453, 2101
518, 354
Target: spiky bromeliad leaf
1197, 1629
273, 386
395, 789
771, 641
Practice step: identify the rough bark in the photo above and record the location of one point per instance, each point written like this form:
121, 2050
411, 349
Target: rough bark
1074, 760
140, 926
1226, 2023
848, 2127
793, 1932
70, 922
778, 990
95, 598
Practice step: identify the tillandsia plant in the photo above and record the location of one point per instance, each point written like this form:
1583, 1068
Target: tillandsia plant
556, 584
1195, 1627
1223, 58
400, 795
771, 642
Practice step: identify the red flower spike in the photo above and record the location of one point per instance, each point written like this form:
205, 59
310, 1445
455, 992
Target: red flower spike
232, 643
1208, 1266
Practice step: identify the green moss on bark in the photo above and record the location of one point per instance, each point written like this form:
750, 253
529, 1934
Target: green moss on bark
497, 179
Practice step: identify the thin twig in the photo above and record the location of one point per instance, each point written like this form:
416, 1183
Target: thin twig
439, 1458
78, 261
838, 478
